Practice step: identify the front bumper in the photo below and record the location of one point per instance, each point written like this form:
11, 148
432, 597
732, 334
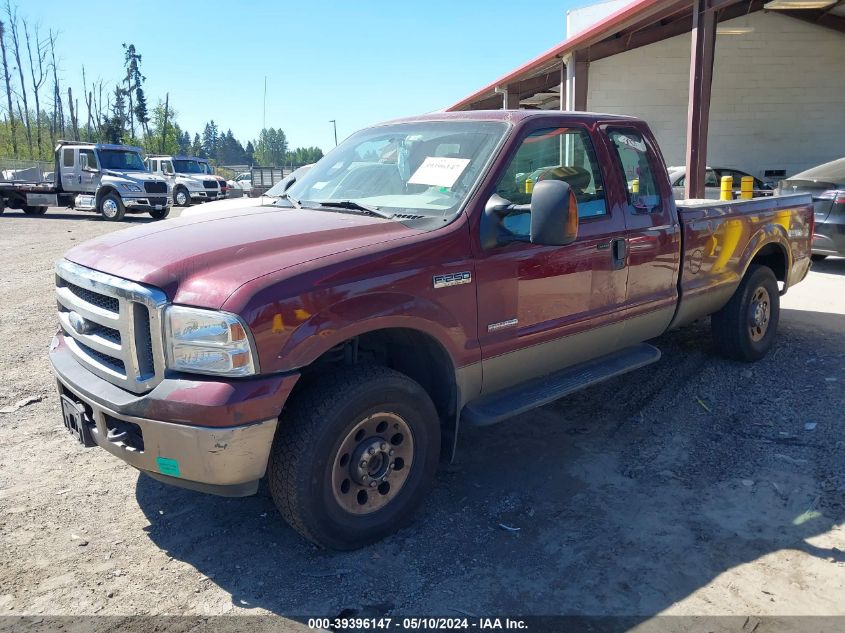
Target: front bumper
206, 434
151, 203
207, 194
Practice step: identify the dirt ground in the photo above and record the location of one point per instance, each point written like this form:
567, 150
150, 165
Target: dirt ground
696, 486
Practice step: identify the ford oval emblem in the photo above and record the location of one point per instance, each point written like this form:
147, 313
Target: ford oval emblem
78, 323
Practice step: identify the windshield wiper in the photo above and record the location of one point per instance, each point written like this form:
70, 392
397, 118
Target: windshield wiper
354, 206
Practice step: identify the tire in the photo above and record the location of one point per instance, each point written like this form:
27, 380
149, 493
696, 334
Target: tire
111, 207
34, 210
746, 327
318, 472
181, 197
818, 258
160, 214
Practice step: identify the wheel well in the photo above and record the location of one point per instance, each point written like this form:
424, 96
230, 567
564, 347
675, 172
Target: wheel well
104, 191
416, 354
773, 256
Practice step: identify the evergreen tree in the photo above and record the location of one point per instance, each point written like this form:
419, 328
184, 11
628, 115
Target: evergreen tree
196, 147
249, 153
210, 139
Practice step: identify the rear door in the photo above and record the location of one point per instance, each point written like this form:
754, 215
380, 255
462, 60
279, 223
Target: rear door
542, 308
652, 231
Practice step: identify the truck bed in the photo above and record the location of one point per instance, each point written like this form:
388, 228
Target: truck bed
719, 238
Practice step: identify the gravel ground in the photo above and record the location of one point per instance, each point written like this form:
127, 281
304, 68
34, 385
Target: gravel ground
696, 486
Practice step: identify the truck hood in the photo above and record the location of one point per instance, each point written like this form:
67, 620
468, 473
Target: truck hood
133, 176
201, 260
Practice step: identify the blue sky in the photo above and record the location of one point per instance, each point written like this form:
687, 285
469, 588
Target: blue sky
358, 62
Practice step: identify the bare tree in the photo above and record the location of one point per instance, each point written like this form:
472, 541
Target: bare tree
12, 121
73, 120
58, 108
89, 98
12, 13
37, 81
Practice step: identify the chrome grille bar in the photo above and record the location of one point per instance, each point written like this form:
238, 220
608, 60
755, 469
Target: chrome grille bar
116, 331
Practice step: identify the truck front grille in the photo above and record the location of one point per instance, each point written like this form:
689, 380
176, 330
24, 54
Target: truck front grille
209, 184
112, 325
155, 187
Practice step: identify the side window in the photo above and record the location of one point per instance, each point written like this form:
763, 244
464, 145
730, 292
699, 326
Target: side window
67, 157
153, 165
711, 179
92, 159
633, 154
552, 154
167, 167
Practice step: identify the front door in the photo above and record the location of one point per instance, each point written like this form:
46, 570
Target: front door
542, 308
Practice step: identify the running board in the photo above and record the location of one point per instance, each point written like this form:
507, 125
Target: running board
540, 391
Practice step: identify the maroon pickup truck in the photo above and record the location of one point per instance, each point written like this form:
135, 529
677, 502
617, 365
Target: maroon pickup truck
429, 273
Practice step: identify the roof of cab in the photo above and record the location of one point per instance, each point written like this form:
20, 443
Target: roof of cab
512, 116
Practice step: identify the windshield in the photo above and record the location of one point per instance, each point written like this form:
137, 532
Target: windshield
187, 167
280, 187
206, 168
120, 160
421, 168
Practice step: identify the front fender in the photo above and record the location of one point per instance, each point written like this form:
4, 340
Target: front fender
317, 333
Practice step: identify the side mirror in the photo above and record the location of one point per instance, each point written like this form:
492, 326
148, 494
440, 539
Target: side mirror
554, 213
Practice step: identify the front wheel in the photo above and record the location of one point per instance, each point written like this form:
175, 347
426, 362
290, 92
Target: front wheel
354, 454
160, 214
746, 327
111, 207
181, 197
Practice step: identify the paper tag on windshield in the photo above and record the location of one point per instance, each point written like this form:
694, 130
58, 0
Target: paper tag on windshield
439, 171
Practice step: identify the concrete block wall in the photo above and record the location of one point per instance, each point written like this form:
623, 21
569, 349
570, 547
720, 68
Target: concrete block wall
778, 96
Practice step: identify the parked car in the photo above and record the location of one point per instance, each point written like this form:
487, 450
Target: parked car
111, 180
713, 182
187, 178
242, 181
826, 184
414, 286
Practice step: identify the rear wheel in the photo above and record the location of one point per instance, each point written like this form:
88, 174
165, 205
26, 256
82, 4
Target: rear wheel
111, 207
354, 455
34, 210
160, 214
746, 327
181, 197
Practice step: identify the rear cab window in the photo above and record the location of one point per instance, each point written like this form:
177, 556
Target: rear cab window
635, 161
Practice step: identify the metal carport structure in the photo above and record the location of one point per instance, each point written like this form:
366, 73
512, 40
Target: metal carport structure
564, 69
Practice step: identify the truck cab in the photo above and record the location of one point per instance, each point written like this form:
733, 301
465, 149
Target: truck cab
188, 178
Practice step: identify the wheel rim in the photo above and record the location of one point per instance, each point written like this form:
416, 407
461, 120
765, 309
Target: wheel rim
181, 198
759, 313
372, 464
109, 208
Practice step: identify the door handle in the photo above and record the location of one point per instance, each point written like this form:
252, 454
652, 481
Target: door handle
619, 252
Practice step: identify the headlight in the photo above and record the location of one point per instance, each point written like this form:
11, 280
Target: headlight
208, 342
127, 187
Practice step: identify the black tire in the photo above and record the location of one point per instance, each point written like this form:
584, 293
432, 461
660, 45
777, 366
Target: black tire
312, 441
738, 329
111, 208
818, 258
160, 214
34, 210
181, 197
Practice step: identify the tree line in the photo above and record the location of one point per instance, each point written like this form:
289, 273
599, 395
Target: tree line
39, 109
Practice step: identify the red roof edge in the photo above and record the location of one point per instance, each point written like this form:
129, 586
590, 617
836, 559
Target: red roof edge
563, 48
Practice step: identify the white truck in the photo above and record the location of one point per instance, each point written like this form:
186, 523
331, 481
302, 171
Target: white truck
187, 177
111, 180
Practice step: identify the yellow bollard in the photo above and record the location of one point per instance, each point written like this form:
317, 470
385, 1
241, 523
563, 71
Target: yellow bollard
529, 185
635, 185
727, 188
746, 191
